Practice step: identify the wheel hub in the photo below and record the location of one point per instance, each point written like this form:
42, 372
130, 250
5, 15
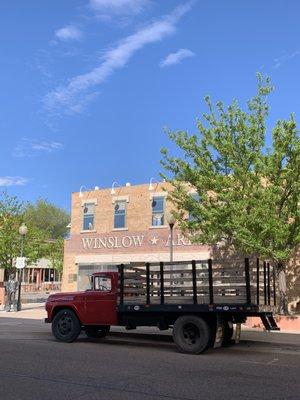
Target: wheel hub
65, 325
191, 334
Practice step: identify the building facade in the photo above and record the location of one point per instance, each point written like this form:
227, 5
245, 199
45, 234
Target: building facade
121, 225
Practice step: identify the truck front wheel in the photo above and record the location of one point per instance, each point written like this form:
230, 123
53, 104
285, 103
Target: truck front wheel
66, 326
191, 334
97, 331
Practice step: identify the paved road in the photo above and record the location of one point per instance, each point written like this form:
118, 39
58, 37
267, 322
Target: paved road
126, 366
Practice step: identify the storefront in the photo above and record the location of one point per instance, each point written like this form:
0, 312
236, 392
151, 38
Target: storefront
37, 277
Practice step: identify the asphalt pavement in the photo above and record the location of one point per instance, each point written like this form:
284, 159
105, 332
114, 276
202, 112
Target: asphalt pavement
141, 366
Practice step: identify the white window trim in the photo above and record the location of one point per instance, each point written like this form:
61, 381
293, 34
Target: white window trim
83, 204
157, 194
114, 201
89, 201
120, 198
158, 226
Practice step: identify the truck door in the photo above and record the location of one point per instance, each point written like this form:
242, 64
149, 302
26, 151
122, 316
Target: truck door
101, 302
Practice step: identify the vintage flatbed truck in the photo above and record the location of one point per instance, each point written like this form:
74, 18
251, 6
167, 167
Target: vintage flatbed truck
200, 300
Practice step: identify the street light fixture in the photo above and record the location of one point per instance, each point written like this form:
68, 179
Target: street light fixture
151, 187
171, 222
81, 190
22, 231
113, 191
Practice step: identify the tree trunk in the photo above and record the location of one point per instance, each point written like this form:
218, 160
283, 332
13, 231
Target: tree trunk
283, 308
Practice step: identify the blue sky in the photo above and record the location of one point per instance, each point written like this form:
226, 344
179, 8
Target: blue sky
87, 86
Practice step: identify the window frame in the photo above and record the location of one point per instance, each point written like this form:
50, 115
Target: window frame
158, 212
116, 202
85, 204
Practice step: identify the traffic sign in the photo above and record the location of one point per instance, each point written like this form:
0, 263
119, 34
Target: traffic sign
20, 262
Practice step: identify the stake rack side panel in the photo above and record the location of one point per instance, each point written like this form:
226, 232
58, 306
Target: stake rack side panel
197, 282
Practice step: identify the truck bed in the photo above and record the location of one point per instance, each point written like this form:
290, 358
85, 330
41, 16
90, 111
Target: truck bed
241, 284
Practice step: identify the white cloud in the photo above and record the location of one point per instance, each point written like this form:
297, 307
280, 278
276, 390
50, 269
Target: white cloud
177, 57
12, 181
279, 61
118, 6
68, 33
32, 147
72, 97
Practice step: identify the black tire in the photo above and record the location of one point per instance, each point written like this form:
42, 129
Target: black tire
228, 333
97, 332
191, 334
66, 326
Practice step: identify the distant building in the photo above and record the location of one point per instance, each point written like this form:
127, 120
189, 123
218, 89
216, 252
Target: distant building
40, 276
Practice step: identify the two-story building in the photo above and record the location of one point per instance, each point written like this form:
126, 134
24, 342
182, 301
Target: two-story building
120, 225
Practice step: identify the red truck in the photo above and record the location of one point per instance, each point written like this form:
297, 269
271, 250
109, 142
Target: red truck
200, 300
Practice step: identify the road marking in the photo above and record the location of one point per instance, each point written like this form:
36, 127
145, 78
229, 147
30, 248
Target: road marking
272, 362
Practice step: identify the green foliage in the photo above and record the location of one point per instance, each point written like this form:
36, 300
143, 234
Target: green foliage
46, 227
48, 218
55, 253
11, 218
249, 194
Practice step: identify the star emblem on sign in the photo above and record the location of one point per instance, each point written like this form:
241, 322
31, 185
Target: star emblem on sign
154, 240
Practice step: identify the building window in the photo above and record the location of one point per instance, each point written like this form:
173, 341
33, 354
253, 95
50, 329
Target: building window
88, 216
120, 214
158, 208
196, 198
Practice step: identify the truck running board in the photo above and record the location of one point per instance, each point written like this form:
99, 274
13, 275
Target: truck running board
269, 322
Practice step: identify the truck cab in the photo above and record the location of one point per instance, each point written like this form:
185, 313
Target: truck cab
94, 309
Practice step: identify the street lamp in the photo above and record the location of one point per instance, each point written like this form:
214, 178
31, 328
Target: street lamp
81, 190
22, 231
171, 222
113, 191
151, 187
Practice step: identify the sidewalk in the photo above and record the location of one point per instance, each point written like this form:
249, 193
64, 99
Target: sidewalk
286, 323
29, 311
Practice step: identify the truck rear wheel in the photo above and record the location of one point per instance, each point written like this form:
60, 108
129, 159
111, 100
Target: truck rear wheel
97, 331
66, 326
191, 334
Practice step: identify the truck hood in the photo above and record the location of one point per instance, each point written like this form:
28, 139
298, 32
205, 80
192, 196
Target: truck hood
65, 296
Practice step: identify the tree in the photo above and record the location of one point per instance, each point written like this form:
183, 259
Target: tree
249, 193
11, 218
52, 221
47, 217
55, 253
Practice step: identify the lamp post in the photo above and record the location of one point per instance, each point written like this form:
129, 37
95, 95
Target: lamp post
171, 221
22, 231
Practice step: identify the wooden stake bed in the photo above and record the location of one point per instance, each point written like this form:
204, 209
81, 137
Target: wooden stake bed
245, 285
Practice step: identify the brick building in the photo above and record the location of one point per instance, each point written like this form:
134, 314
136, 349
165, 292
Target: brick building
122, 224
